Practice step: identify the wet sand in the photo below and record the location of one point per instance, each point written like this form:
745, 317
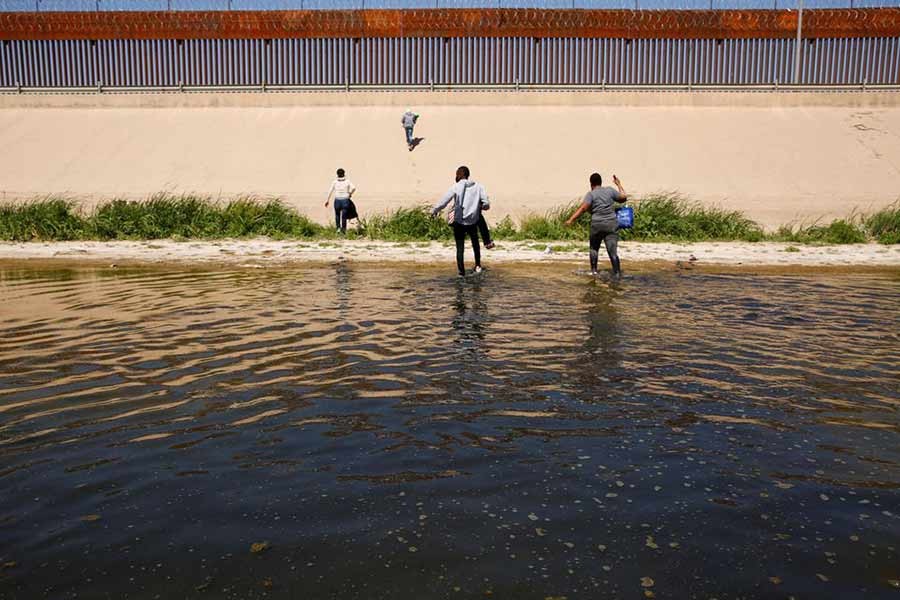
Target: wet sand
779, 158
265, 252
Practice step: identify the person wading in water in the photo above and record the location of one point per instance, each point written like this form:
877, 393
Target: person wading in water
469, 197
600, 201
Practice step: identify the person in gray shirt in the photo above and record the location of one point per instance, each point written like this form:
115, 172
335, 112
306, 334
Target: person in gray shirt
408, 120
600, 201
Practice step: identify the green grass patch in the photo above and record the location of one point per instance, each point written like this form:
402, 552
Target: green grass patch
669, 217
551, 225
161, 216
167, 216
47, 218
884, 225
405, 225
505, 229
659, 217
840, 231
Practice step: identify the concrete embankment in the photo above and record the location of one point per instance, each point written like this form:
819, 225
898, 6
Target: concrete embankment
778, 157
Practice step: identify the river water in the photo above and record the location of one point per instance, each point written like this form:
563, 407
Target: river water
391, 432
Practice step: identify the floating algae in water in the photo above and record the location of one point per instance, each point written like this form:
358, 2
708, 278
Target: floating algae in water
258, 547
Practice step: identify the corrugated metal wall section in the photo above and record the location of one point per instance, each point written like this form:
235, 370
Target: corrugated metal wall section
454, 61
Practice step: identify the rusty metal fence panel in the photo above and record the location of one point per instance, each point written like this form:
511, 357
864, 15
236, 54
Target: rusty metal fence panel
444, 61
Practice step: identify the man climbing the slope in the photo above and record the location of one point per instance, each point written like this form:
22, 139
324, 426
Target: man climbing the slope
409, 122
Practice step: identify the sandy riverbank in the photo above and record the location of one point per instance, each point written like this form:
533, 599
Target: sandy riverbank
263, 253
779, 158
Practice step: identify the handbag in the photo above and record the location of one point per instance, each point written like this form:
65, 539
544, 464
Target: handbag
625, 217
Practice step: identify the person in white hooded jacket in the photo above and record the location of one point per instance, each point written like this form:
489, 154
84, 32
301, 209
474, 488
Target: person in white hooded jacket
469, 198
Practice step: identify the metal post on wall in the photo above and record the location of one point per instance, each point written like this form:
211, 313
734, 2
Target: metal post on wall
798, 47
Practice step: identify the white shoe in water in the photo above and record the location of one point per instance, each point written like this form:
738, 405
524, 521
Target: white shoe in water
478, 270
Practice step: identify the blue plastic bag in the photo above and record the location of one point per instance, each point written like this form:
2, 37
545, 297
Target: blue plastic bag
625, 217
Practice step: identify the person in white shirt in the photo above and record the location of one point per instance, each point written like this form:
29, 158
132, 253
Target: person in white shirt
342, 189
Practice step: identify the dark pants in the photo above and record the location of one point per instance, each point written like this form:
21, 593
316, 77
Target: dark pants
604, 235
459, 234
409, 135
483, 230
340, 213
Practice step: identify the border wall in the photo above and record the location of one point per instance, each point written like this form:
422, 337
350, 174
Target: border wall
443, 48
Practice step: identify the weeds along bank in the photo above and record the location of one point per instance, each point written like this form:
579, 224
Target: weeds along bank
663, 217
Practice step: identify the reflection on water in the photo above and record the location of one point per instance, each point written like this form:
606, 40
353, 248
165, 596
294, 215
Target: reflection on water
391, 432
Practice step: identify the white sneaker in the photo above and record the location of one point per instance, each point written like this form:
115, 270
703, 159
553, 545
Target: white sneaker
478, 270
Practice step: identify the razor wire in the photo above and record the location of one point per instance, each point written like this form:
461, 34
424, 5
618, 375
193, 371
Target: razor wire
247, 5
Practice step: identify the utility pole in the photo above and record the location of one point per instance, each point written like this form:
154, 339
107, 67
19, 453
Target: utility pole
798, 47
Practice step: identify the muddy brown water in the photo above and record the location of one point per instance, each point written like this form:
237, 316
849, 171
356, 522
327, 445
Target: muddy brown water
391, 432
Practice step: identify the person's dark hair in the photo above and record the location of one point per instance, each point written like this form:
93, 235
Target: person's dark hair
340, 172
462, 173
596, 179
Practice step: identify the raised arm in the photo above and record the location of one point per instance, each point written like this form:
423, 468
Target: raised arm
352, 189
623, 196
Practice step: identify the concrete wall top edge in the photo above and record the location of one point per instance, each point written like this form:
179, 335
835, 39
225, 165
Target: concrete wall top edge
767, 100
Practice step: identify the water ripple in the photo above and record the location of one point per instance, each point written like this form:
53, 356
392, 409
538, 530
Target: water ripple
531, 430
